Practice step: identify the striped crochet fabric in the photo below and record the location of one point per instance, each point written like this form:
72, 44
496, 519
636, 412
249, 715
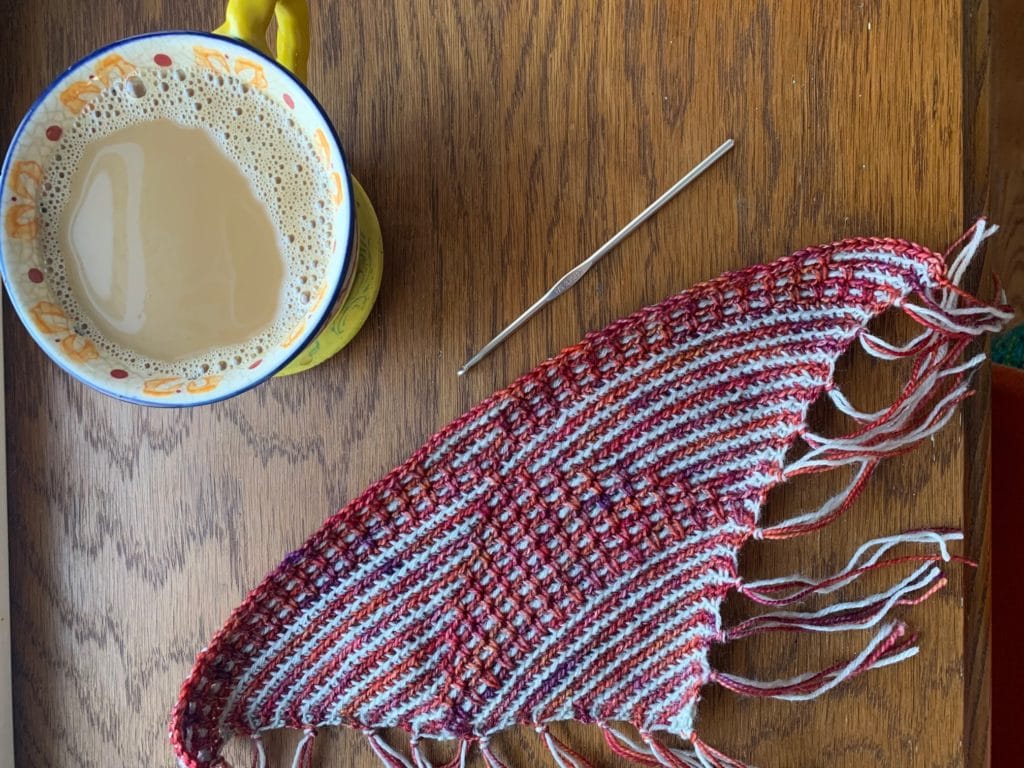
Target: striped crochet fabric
562, 550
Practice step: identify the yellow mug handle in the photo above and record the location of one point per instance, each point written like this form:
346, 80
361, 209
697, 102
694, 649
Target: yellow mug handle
248, 20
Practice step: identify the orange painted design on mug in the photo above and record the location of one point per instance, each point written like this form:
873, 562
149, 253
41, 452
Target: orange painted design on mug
162, 387
258, 79
26, 176
109, 68
338, 193
294, 335
322, 147
114, 67
50, 319
79, 348
73, 97
165, 386
21, 222
203, 384
211, 59
319, 298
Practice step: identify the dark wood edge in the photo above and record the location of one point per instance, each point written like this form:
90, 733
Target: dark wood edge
976, 415
6, 681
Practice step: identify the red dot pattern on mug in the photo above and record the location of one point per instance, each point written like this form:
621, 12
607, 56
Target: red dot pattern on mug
35, 275
162, 60
119, 373
54, 132
289, 101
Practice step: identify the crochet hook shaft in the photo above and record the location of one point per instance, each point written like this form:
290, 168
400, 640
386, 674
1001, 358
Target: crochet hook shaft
570, 278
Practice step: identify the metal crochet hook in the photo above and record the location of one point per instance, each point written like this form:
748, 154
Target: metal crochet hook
570, 278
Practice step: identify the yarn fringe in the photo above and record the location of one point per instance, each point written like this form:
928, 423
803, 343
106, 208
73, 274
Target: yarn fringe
387, 754
490, 759
259, 752
650, 753
853, 615
939, 380
890, 645
712, 758
657, 754
564, 756
421, 761
304, 750
392, 758
788, 590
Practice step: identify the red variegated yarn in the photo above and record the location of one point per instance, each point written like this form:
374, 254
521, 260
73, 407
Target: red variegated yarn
561, 551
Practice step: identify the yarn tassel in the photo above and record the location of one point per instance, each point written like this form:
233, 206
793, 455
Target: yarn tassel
712, 758
658, 754
671, 758
459, 761
259, 752
491, 760
884, 350
829, 511
564, 756
625, 747
889, 646
387, 754
655, 754
938, 381
855, 615
788, 590
421, 761
304, 750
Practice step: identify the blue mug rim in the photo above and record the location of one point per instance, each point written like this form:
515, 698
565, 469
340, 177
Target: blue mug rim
348, 265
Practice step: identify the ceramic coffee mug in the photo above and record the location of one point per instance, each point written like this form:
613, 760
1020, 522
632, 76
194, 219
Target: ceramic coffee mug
237, 50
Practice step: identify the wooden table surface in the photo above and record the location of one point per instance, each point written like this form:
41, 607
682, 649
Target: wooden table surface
501, 143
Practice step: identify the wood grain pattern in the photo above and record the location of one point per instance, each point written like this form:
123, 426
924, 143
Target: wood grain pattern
977, 422
500, 142
6, 683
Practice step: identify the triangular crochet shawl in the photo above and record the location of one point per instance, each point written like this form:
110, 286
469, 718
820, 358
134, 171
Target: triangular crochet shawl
561, 551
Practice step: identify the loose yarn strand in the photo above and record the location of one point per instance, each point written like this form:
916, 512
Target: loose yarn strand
888, 646
712, 758
564, 756
624, 746
418, 758
259, 752
491, 759
867, 558
670, 758
304, 750
388, 755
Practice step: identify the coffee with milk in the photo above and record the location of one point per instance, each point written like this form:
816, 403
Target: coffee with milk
183, 222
